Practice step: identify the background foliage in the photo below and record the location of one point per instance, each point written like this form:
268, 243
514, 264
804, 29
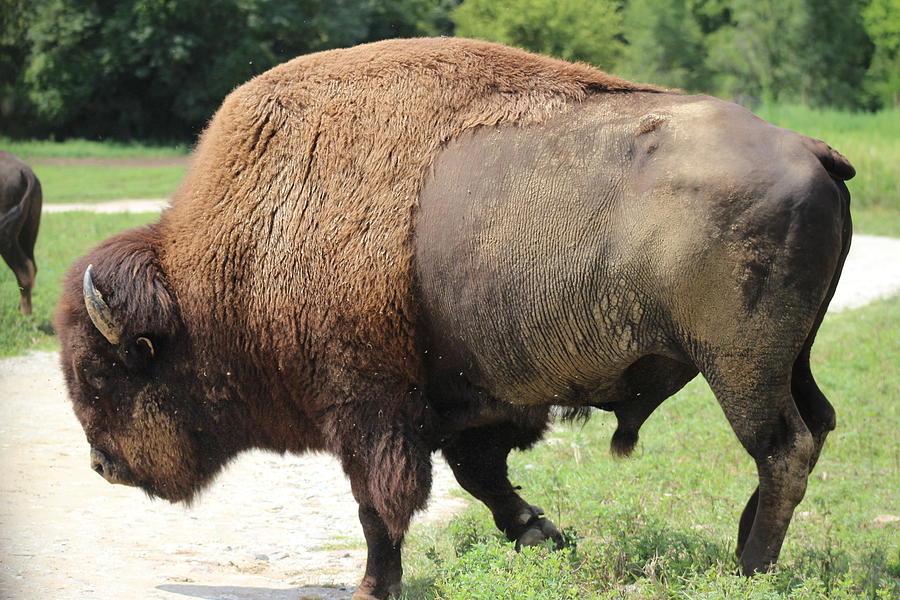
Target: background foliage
157, 69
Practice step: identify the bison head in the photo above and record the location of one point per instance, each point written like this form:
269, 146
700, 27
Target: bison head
129, 367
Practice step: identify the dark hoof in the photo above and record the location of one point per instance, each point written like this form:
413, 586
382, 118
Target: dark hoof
370, 590
750, 566
537, 529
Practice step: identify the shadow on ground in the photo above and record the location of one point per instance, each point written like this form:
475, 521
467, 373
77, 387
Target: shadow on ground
211, 592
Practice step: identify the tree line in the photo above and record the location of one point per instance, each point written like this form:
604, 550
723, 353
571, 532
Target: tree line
157, 69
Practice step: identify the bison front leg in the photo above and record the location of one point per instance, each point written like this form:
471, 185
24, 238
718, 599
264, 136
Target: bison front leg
384, 570
384, 453
389, 490
478, 459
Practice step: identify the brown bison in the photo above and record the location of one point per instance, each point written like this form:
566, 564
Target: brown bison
20, 217
416, 245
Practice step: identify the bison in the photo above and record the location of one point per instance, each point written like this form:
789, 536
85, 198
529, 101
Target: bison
421, 245
20, 217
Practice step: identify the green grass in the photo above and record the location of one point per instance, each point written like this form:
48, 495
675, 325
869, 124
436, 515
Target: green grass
663, 523
96, 184
63, 238
876, 221
31, 149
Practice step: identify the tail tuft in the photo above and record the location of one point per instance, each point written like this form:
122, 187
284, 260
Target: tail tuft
623, 442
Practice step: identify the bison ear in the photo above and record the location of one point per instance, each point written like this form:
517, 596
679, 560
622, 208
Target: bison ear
127, 271
145, 347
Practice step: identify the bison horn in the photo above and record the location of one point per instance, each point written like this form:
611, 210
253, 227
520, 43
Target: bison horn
99, 311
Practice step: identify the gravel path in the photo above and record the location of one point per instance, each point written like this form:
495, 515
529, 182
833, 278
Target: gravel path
872, 271
271, 527
114, 206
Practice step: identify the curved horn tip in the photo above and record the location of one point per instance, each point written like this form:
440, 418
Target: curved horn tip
99, 312
87, 280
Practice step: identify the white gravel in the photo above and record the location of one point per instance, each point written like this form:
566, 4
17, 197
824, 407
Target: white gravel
872, 271
114, 206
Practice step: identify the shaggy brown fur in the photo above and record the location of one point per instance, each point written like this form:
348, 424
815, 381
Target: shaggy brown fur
282, 275
304, 187
313, 168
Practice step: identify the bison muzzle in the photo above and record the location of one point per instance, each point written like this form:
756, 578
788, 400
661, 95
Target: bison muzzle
421, 245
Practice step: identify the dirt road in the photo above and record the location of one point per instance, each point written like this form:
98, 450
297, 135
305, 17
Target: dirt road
273, 528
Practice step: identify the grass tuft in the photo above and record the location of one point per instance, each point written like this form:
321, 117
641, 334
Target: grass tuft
75, 148
61, 184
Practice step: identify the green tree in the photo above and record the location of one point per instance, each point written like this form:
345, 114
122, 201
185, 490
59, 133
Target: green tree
755, 56
835, 55
584, 30
810, 51
665, 45
153, 68
157, 69
882, 23
14, 106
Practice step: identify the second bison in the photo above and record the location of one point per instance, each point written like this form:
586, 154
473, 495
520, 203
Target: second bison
20, 217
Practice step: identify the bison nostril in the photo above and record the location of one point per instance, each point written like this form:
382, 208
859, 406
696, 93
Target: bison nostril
99, 462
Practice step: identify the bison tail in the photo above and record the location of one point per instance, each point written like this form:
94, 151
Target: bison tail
834, 162
13, 216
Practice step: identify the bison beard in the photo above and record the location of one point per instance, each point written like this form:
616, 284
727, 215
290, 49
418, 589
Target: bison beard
416, 245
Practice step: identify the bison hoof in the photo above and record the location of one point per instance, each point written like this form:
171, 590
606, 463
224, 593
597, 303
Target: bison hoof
369, 589
538, 530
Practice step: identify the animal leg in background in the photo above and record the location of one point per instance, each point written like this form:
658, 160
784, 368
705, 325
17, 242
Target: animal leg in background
478, 459
27, 239
24, 269
20, 216
766, 420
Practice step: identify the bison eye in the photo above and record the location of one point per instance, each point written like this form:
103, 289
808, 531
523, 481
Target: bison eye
138, 354
97, 380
